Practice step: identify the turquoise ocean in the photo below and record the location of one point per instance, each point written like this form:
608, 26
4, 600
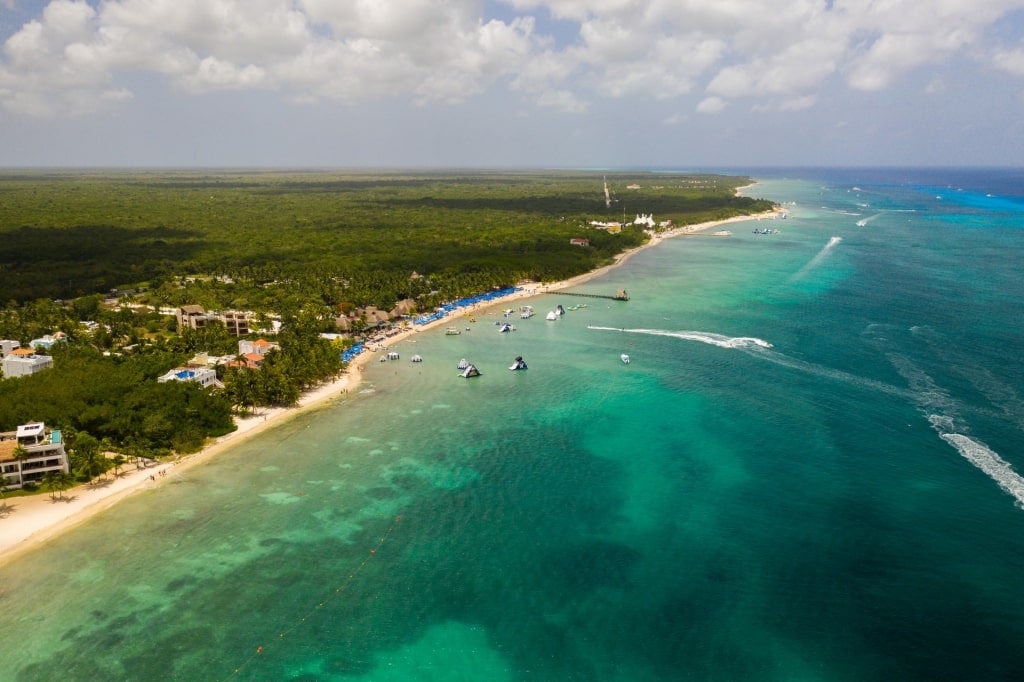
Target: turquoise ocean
810, 470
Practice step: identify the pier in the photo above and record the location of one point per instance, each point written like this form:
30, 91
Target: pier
620, 295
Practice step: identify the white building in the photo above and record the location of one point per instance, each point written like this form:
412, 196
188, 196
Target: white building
44, 450
6, 346
260, 347
203, 376
22, 362
46, 341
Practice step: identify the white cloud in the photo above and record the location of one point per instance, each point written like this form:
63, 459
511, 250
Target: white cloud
561, 100
711, 105
777, 54
1011, 61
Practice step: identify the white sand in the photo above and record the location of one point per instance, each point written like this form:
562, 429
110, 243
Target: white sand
29, 522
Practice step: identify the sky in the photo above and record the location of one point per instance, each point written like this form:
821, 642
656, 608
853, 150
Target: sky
511, 83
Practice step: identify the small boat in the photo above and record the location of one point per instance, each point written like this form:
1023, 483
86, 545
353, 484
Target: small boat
624, 358
518, 364
551, 316
560, 310
452, 331
526, 312
463, 364
506, 327
417, 358
470, 372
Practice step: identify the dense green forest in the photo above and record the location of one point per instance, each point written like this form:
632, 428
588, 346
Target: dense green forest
278, 240
299, 246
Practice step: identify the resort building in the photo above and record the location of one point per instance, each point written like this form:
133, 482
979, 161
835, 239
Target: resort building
22, 362
192, 317
195, 317
42, 450
203, 376
46, 342
259, 347
236, 323
6, 346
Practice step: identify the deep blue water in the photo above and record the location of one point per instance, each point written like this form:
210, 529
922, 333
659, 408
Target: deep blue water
809, 471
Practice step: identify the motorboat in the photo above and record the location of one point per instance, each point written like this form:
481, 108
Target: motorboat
518, 364
551, 316
417, 358
506, 327
470, 372
452, 331
625, 358
559, 310
526, 312
463, 364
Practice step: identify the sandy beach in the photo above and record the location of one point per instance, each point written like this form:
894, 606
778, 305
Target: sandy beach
29, 522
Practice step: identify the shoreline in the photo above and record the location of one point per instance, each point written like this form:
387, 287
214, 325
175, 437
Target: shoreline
27, 523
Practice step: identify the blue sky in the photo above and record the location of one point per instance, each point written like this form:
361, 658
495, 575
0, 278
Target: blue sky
511, 83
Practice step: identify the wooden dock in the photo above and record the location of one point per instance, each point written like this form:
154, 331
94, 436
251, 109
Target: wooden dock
620, 295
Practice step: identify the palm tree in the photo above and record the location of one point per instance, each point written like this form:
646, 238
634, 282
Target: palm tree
50, 483
63, 480
20, 453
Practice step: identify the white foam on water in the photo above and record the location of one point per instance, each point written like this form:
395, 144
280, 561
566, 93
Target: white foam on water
818, 258
981, 456
924, 393
994, 388
864, 221
762, 350
929, 396
710, 338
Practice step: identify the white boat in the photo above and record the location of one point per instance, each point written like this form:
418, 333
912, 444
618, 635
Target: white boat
624, 358
470, 372
551, 316
463, 364
518, 364
526, 312
417, 358
506, 327
559, 310
452, 331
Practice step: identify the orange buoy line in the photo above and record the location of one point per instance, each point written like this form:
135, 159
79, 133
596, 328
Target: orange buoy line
325, 601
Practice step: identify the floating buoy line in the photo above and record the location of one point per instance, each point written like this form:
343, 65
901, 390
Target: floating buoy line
260, 649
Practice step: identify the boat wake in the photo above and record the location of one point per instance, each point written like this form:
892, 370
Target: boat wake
763, 350
719, 340
818, 258
998, 469
864, 221
942, 411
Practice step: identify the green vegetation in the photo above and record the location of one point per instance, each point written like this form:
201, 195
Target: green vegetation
301, 246
284, 239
